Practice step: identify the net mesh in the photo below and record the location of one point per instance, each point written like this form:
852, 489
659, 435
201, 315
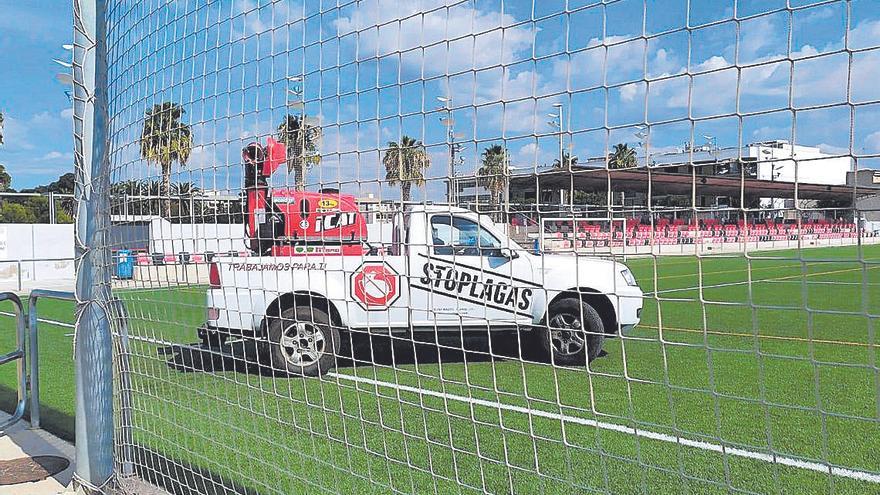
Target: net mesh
380, 308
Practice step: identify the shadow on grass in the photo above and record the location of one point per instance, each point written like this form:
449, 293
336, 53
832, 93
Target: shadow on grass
182, 478
58, 423
358, 349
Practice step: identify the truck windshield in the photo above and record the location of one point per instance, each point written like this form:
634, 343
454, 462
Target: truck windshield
453, 235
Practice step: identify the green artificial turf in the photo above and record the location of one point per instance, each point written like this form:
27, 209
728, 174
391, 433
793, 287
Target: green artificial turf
775, 353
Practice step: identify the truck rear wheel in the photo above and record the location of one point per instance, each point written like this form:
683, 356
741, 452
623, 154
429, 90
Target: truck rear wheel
303, 341
573, 333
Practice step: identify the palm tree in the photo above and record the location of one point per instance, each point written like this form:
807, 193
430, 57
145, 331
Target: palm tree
567, 161
495, 172
185, 189
301, 140
405, 164
187, 208
622, 157
1, 127
165, 140
130, 187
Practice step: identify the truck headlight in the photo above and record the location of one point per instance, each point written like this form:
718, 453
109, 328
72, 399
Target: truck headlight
628, 277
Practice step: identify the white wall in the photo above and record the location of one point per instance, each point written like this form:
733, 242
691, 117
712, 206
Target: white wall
168, 238
36, 241
813, 166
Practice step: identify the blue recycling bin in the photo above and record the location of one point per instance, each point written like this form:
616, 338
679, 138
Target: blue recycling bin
124, 264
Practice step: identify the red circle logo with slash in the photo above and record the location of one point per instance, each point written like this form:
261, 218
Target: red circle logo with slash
375, 285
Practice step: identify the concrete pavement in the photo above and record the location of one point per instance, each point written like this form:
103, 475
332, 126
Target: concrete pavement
20, 441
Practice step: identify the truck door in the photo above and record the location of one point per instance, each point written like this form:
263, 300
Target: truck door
468, 277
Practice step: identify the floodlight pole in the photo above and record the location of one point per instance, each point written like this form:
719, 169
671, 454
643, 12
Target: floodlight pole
93, 354
451, 183
558, 115
561, 136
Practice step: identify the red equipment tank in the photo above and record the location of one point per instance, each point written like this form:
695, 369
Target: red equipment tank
318, 223
286, 222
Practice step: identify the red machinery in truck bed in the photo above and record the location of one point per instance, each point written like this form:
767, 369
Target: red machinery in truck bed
286, 222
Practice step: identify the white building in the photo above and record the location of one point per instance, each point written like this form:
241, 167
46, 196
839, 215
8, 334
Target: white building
776, 161
761, 164
781, 161
768, 160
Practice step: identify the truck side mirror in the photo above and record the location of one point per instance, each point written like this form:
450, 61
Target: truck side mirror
508, 253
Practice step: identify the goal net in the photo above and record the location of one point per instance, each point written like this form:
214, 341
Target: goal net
331, 210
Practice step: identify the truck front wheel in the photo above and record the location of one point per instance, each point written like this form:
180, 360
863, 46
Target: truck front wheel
572, 332
303, 341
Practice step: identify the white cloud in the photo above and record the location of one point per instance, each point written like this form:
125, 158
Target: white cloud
16, 134
406, 25
629, 92
37, 148
832, 149
760, 37
258, 18
713, 63
19, 133
819, 14
527, 153
865, 35
872, 143
479, 40
57, 155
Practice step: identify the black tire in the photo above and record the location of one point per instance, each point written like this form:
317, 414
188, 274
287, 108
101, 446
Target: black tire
572, 334
292, 353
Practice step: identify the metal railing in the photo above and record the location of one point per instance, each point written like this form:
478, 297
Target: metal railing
19, 262
51, 197
33, 322
17, 355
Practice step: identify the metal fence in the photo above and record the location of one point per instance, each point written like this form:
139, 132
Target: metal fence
429, 352
57, 208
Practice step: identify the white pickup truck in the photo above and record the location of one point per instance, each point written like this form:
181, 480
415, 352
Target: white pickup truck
443, 270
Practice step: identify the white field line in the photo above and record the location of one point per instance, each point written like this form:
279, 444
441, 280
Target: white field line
755, 281
662, 437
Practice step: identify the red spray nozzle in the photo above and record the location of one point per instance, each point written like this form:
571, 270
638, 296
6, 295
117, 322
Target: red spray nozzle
270, 158
276, 154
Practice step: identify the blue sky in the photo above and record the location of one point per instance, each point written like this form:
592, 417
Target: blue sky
373, 69
38, 124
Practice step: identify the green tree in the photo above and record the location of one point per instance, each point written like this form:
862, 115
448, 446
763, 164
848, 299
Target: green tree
125, 193
16, 213
672, 201
494, 173
568, 161
592, 198
65, 184
301, 140
405, 164
165, 140
129, 187
5, 179
184, 208
622, 157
